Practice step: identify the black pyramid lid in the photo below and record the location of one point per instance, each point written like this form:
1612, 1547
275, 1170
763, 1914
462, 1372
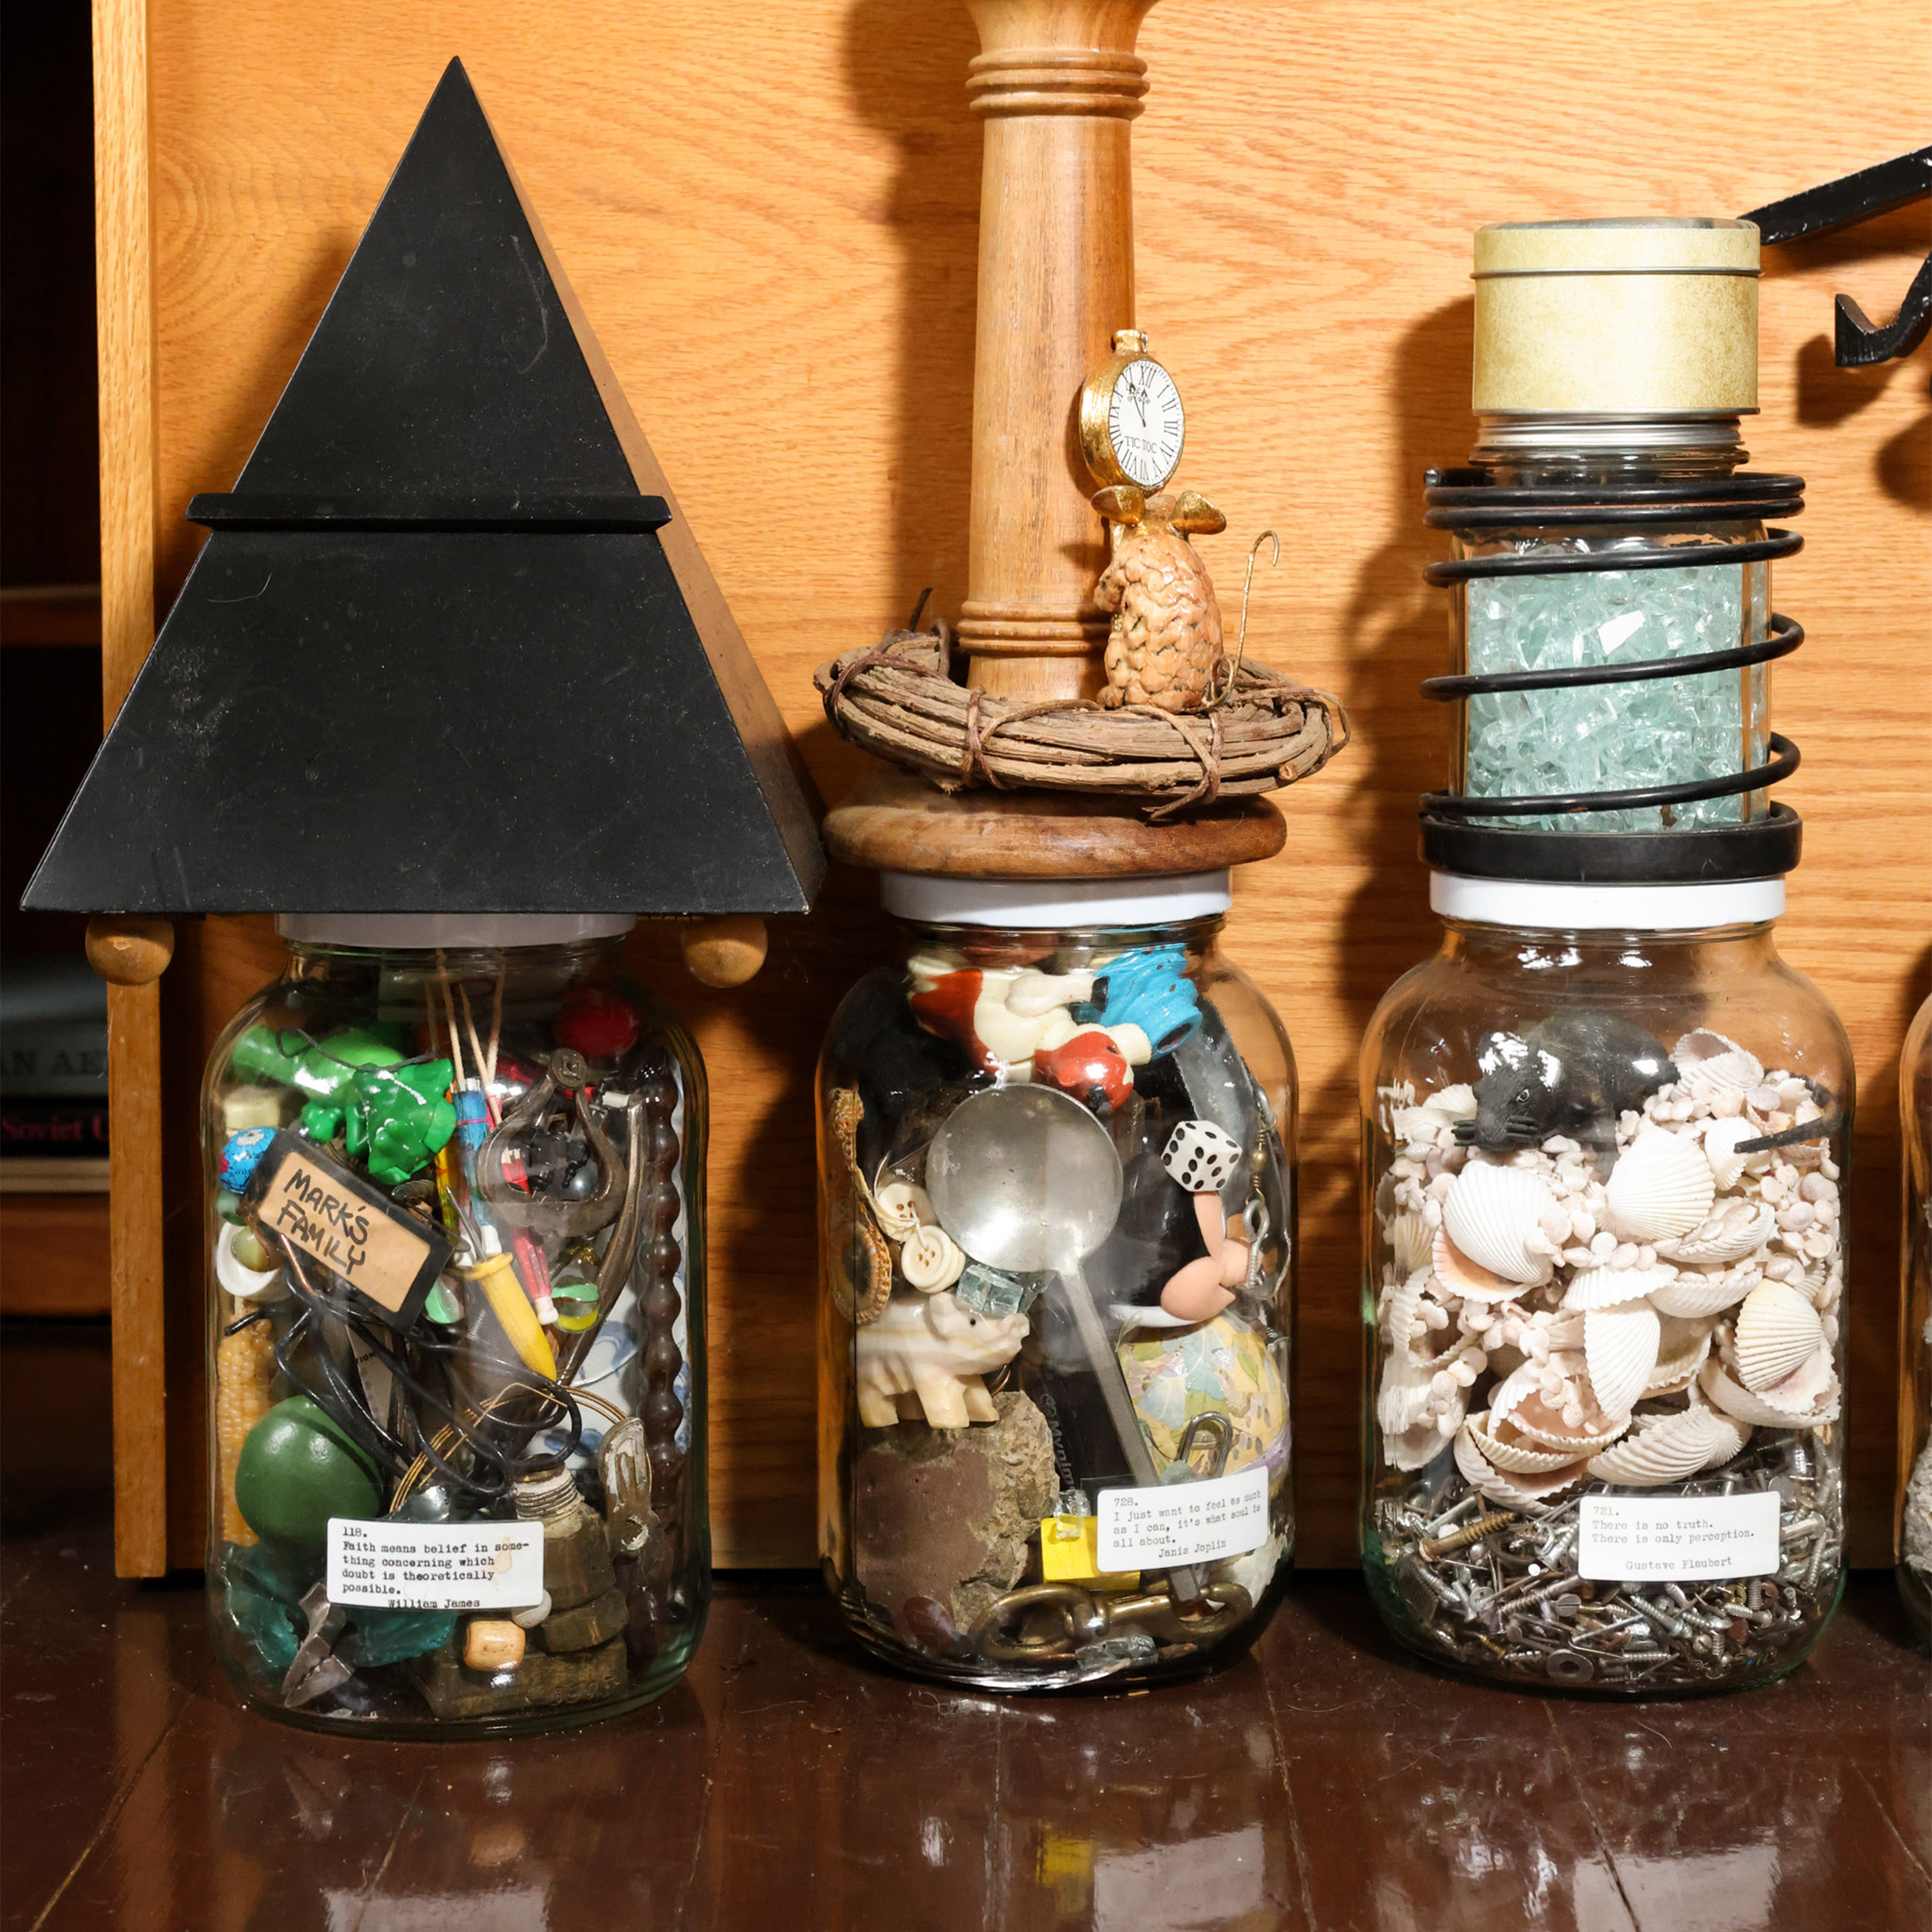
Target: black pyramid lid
451, 647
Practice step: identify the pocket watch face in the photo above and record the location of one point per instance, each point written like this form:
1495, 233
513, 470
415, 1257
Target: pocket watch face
1144, 423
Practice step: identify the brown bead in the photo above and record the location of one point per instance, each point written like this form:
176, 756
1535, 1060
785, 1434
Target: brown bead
490, 1645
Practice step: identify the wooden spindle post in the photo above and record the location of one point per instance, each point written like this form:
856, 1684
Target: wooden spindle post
1058, 85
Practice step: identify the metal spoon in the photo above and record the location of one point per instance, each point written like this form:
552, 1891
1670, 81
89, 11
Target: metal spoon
1025, 1179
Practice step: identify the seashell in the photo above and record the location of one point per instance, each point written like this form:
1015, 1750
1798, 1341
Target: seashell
1412, 1240
1490, 1213
1729, 1233
1717, 1062
1608, 1287
1414, 1448
1700, 1291
1670, 1448
1515, 1489
1661, 1186
1513, 1453
1457, 1274
1402, 1400
931, 1260
904, 1207
1682, 1347
1778, 1331
1721, 1139
1815, 1385
1519, 1400
1619, 1348
245, 1283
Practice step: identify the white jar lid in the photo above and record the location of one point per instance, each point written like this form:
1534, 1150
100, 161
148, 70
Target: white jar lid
1540, 906
1031, 904
424, 932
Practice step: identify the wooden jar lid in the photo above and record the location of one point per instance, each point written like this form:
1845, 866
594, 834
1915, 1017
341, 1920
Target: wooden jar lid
894, 823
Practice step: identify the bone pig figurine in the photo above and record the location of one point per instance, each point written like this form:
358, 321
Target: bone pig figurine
1201, 1158
926, 1357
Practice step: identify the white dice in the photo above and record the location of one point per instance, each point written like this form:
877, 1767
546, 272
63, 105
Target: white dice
1200, 1156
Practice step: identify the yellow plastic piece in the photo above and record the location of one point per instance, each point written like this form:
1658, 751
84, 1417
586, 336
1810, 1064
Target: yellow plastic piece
244, 1367
1070, 1553
496, 1276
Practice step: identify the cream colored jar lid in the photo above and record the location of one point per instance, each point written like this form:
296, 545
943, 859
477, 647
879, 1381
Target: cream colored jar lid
1616, 318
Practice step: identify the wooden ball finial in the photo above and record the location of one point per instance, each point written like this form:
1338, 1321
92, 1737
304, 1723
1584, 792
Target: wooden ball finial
129, 952
727, 951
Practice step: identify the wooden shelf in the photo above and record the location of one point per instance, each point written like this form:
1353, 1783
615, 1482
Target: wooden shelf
53, 1254
68, 613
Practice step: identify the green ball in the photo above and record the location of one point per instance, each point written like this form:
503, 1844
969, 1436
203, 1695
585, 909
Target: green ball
298, 1468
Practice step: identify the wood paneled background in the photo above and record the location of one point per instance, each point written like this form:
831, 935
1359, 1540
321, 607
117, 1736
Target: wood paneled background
770, 213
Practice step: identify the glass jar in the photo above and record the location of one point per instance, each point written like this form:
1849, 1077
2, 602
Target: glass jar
1915, 1335
1606, 1130
455, 1215
1057, 1205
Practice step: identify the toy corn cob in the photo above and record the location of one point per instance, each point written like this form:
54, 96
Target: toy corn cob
244, 1367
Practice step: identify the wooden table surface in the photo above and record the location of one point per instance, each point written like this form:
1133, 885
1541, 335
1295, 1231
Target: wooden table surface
1325, 1781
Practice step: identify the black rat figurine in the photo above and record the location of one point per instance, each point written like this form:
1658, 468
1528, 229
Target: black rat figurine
1572, 1073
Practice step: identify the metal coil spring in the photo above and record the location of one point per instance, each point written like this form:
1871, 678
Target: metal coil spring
1458, 501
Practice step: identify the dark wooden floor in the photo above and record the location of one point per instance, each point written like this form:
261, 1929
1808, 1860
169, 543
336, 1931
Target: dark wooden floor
1324, 1782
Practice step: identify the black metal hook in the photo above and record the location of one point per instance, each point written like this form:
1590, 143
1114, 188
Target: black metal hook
1859, 341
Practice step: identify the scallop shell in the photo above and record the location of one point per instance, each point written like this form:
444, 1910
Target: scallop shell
1515, 1489
1459, 1275
1514, 1453
1608, 1287
1489, 1214
1682, 1347
1621, 1346
1699, 1291
1718, 1062
1660, 1186
1411, 1239
1812, 1411
1731, 1231
904, 1208
1519, 1400
931, 1260
1670, 1448
245, 1283
1778, 1331
1722, 1138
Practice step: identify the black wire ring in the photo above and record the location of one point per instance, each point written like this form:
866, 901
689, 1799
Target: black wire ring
1782, 636
1450, 804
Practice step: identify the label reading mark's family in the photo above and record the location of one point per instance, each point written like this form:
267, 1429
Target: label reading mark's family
1677, 1539
1191, 1522
410, 1566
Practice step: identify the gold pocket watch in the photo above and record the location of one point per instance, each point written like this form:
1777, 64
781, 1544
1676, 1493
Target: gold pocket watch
1132, 425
